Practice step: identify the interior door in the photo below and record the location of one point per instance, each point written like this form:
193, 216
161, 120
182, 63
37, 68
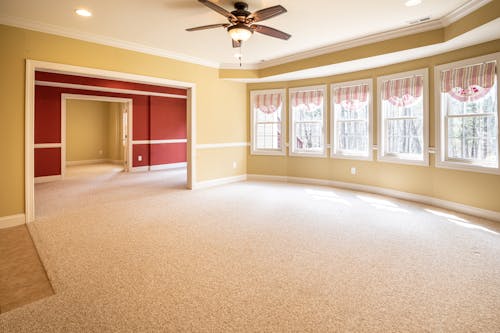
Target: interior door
124, 137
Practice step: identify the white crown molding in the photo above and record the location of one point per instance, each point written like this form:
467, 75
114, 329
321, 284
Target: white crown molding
462, 11
455, 15
379, 37
99, 39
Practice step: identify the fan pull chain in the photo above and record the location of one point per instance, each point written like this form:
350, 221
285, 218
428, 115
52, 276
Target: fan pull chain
241, 52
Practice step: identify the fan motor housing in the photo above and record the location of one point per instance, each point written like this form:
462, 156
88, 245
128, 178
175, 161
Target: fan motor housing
241, 9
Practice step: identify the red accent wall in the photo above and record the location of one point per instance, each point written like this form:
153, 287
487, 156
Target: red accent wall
142, 150
92, 81
47, 115
154, 118
140, 120
47, 162
166, 153
168, 118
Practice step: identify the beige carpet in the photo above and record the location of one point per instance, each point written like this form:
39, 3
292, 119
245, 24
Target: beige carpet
138, 253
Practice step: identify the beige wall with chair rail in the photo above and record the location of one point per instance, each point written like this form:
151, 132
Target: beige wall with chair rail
470, 188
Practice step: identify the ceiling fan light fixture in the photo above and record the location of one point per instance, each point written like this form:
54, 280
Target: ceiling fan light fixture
240, 32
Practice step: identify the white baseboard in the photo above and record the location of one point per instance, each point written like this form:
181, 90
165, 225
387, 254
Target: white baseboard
168, 166
484, 213
12, 220
85, 162
46, 179
219, 181
140, 169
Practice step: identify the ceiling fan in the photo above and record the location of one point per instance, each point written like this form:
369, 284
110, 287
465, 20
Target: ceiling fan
241, 22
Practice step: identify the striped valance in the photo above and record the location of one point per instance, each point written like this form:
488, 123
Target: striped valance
468, 83
307, 97
268, 103
403, 92
351, 94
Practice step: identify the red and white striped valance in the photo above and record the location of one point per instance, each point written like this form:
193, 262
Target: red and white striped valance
307, 97
469, 83
351, 94
268, 103
403, 92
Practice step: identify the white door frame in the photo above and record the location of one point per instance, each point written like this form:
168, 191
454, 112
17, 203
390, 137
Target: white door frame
34, 65
65, 97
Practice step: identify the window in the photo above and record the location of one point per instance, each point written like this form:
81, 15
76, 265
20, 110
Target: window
467, 99
352, 120
403, 118
268, 122
308, 121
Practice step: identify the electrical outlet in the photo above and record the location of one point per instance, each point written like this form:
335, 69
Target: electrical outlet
353, 171
234, 164
139, 158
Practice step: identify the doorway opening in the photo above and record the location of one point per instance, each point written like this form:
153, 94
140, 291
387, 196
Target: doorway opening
136, 148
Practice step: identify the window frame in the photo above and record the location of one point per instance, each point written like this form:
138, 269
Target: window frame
441, 130
381, 156
333, 153
291, 137
253, 122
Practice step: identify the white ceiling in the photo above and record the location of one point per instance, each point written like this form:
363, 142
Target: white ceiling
158, 26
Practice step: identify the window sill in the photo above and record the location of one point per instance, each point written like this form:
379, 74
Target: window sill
268, 152
467, 167
399, 160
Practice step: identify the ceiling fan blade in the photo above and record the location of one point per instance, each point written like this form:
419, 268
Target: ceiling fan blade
211, 26
236, 43
218, 9
267, 13
270, 31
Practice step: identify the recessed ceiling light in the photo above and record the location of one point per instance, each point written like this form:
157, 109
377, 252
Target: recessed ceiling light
83, 12
411, 3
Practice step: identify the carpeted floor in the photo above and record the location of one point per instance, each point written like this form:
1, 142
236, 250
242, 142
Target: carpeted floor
138, 252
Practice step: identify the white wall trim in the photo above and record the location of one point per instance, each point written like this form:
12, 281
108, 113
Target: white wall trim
487, 214
222, 145
48, 145
220, 181
46, 179
168, 166
105, 89
34, 65
12, 220
154, 142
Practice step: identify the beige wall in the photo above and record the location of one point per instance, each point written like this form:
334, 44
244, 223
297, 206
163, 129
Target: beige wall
220, 105
87, 124
470, 188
